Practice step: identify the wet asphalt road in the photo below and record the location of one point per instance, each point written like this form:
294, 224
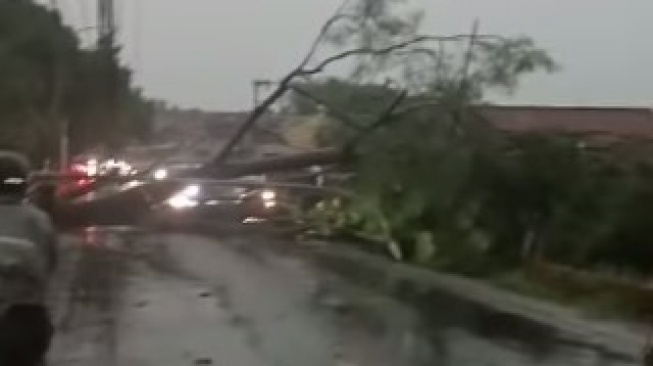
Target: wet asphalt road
171, 300
151, 299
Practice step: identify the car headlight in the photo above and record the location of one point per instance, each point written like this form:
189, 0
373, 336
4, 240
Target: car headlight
186, 198
268, 195
180, 202
161, 174
92, 167
132, 184
191, 191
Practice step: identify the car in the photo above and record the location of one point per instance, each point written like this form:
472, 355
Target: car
173, 170
206, 204
79, 179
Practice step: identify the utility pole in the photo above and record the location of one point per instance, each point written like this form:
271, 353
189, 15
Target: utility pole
106, 21
62, 122
106, 25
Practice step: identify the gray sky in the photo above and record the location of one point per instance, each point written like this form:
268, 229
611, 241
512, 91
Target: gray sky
204, 53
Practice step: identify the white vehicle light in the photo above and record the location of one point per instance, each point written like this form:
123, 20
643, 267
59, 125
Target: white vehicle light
92, 167
180, 202
125, 167
133, 184
253, 220
161, 174
14, 181
268, 195
186, 198
191, 191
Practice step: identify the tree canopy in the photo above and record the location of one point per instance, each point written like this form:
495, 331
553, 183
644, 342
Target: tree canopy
46, 78
436, 183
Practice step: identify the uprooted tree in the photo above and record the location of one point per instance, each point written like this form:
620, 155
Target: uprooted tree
407, 125
381, 40
433, 181
437, 184
422, 81
417, 132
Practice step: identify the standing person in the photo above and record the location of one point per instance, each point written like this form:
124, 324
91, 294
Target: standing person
27, 261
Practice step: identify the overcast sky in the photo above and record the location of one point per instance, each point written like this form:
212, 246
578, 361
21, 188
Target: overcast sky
205, 53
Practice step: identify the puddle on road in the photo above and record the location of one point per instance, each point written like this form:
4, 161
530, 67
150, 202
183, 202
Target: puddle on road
460, 332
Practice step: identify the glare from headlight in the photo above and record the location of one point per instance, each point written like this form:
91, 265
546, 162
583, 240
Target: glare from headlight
92, 167
160, 174
124, 167
268, 195
186, 198
191, 191
181, 201
133, 184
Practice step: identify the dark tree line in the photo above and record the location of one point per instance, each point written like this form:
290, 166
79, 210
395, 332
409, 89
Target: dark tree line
48, 81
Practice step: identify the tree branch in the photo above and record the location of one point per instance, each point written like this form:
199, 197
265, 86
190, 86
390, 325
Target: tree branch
259, 111
464, 72
384, 118
414, 108
333, 111
434, 55
301, 70
338, 16
282, 88
385, 50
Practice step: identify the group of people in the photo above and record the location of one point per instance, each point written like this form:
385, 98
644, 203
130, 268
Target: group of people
28, 258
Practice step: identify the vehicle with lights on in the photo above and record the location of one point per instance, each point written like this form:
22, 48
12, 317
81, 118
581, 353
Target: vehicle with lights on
84, 171
172, 170
211, 203
80, 176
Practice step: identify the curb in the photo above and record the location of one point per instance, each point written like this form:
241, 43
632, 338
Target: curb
567, 327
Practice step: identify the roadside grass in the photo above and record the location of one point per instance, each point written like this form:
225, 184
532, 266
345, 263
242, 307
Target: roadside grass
594, 300
600, 295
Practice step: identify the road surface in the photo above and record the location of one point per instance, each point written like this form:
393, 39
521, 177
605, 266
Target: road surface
151, 299
137, 300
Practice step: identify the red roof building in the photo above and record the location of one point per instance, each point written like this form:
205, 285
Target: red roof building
601, 122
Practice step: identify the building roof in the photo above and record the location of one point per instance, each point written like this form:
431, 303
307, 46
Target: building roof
606, 121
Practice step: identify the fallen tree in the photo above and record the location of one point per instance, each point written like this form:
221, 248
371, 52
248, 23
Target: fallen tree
381, 40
